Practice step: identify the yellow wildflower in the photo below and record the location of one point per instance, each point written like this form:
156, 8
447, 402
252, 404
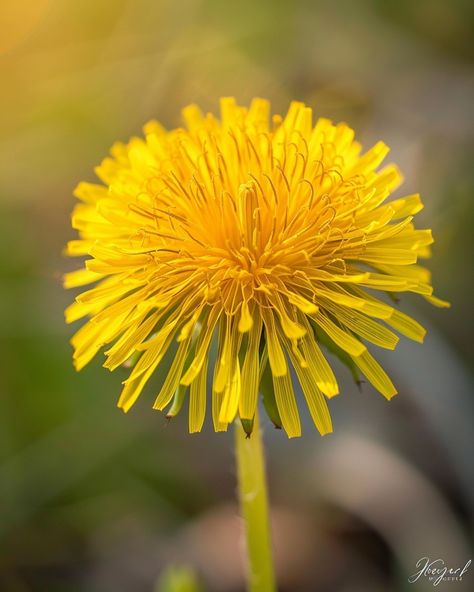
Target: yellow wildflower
260, 236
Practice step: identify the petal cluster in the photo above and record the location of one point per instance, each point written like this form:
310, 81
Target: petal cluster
253, 237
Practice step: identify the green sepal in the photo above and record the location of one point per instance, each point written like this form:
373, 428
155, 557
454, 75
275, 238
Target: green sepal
247, 425
268, 395
178, 400
132, 360
394, 297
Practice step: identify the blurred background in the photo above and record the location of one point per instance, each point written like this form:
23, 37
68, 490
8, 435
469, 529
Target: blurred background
92, 500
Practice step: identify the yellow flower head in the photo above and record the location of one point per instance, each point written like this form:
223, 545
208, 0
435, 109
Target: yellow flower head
259, 236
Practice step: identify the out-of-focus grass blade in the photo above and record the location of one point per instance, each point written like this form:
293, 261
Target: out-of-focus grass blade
178, 579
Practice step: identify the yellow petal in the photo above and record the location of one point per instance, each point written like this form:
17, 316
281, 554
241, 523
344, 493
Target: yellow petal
285, 400
276, 355
375, 374
197, 400
340, 337
250, 373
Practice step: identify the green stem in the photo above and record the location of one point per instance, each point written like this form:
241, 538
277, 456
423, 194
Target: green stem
254, 508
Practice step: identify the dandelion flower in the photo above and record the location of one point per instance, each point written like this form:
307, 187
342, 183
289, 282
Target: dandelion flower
257, 236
